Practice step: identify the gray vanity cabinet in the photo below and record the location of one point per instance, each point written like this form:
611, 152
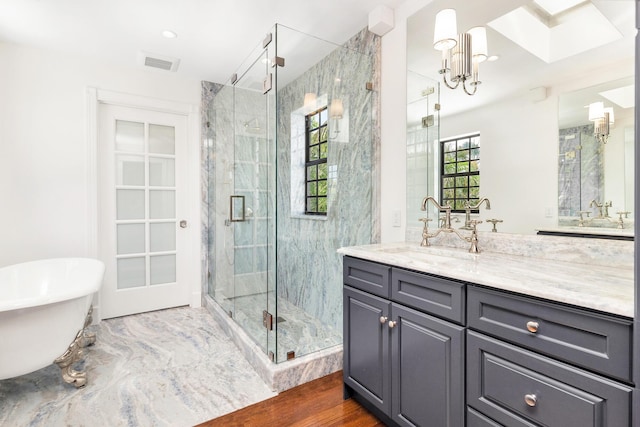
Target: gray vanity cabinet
401, 360
536, 363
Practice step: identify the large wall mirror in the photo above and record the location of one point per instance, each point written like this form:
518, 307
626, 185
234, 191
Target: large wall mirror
542, 165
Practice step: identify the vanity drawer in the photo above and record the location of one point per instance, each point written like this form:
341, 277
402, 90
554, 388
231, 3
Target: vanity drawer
594, 341
367, 276
516, 387
434, 295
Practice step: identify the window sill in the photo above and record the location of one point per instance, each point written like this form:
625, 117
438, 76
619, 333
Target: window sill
311, 217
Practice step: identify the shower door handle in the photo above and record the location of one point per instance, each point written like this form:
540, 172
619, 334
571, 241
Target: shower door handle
236, 209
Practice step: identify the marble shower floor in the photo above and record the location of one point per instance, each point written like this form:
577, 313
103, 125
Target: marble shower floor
297, 331
172, 367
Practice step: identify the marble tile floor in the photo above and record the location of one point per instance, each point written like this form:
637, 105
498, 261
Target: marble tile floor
297, 330
171, 367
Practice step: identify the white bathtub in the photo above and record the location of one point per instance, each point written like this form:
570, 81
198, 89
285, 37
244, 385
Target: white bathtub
43, 306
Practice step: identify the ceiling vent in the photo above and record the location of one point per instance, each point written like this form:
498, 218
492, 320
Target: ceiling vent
160, 62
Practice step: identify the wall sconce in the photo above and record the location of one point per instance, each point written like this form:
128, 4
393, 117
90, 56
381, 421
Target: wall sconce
602, 119
461, 53
336, 111
310, 100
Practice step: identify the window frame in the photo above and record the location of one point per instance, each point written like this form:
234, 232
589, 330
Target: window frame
468, 174
323, 124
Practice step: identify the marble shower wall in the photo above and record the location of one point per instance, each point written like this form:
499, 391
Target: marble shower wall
580, 171
309, 272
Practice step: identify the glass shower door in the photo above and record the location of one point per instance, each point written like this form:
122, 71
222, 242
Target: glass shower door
249, 204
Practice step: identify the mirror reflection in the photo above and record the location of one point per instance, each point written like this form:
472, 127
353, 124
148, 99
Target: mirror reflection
595, 169
522, 105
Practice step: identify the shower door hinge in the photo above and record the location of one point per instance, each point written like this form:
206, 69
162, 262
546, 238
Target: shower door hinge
277, 61
267, 320
369, 86
266, 83
272, 356
428, 91
234, 78
267, 40
428, 121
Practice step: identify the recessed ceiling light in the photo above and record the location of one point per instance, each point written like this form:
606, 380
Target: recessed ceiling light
168, 34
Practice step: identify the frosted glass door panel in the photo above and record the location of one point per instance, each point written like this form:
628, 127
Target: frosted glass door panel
129, 136
130, 204
161, 172
162, 139
162, 236
131, 239
129, 170
163, 269
162, 204
131, 273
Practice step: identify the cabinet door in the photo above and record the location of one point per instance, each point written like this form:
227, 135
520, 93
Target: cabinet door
366, 347
427, 370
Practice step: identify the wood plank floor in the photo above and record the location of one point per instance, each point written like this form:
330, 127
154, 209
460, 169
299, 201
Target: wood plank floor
316, 403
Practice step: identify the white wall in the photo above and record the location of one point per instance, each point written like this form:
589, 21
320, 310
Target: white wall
43, 145
393, 99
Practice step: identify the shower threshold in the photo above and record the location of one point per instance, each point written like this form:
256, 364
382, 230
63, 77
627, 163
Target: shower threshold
285, 375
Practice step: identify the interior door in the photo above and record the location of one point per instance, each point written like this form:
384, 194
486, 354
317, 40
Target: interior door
141, 161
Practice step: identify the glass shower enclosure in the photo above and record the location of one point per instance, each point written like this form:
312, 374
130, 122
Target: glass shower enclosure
291, 182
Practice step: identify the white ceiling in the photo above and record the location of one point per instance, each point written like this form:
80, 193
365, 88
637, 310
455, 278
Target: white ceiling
214, 36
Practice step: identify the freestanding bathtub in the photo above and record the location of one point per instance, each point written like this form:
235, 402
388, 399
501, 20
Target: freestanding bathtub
44, 308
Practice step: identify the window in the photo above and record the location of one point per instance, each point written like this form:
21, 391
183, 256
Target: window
460, 166
316, 136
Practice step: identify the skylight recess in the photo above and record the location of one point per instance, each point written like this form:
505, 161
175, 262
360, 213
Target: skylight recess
578, 30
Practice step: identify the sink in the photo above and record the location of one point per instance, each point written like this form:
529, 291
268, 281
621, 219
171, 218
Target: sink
425, 252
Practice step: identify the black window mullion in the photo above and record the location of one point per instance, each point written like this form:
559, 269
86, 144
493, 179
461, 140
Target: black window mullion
309, 129
461, 152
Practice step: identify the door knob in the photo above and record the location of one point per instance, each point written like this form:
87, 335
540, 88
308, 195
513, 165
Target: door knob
183, 224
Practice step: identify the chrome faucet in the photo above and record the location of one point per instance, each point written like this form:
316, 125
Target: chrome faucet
446, 227
446, 209
467, 211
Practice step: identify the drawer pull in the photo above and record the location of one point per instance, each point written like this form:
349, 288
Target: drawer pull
532, 326
383, 319
530, 399
392, 324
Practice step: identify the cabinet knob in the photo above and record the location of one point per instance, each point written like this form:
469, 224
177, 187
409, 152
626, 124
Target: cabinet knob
383, 319
532, 326
530, 399
392, 324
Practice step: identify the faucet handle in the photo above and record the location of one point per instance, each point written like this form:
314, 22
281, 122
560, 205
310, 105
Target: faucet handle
494, 221
425, 232
625, 213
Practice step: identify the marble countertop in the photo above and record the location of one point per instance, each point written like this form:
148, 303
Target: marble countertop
604, 288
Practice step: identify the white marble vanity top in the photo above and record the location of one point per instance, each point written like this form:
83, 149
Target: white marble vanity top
604, 288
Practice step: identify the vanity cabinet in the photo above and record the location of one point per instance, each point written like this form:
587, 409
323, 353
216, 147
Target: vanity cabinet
399, 357
536, 363
424, 350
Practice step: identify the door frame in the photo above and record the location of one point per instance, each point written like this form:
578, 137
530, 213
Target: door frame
95, 97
